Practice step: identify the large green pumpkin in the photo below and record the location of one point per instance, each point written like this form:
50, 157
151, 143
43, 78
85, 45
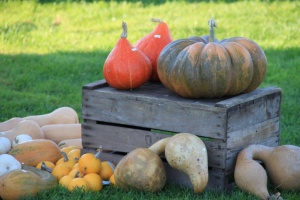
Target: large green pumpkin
199, 67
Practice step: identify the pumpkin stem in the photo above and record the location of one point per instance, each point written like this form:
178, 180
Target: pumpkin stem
212, 24
99, 151
65, 156
46, 168
156, 20
124, 33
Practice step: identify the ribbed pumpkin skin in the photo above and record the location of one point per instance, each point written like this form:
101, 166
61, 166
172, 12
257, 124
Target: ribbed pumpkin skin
153, 43
197, 68
259, 60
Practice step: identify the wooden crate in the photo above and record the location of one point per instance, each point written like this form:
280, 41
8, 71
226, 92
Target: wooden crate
121, 121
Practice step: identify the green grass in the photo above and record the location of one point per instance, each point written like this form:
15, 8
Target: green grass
48, 51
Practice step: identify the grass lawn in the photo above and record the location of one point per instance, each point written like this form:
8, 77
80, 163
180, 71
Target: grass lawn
49, 50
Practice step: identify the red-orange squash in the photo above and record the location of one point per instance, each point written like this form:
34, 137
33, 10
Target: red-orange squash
199, 67
152, 44
126, 67
33, 152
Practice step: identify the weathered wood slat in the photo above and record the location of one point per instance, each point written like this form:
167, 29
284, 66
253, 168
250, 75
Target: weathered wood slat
124, 139
253, 134
163, 115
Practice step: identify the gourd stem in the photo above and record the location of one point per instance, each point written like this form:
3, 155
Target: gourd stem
211, 24
99, 151
156, 20
45, 168
65, 156
159, 146
124, 33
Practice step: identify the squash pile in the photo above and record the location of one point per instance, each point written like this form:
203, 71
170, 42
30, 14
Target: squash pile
37, 152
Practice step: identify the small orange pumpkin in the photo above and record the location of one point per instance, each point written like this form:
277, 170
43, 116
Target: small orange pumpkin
90, 163
153, 43
126, 67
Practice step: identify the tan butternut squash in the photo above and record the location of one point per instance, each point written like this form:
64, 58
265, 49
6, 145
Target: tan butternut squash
71, 142
33, 152
59, 132
28, 127
63, 115
10, 124
281, 166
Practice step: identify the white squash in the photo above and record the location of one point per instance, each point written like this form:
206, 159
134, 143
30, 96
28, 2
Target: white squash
20, 138
5, 145
8, 163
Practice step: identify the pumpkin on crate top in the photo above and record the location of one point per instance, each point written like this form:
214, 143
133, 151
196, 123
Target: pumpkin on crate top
152, 44
203, 67
126, 67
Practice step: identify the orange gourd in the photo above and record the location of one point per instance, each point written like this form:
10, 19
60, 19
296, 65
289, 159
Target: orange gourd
94, 181
126, 67
34, 151
153, 43
65, 160
90, 163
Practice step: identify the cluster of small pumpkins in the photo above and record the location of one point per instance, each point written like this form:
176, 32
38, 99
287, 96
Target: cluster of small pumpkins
194, 67
47, 150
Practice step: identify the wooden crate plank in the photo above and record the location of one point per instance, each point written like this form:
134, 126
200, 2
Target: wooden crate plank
163, 115
124, 139
251, 114
253, 134
244, 99
232, 153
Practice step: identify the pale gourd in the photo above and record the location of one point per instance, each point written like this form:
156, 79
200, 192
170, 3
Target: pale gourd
59, 132
187, 153
28, 127
281, 166
141, 169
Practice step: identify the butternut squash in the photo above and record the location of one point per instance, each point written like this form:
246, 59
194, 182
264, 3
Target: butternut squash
71, 142
63, 115
28, 127
281, 166
10, 124
34, 151
59, 132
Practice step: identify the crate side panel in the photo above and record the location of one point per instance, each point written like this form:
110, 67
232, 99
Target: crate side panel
254, 113
124, 139
160, 114
253, 134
